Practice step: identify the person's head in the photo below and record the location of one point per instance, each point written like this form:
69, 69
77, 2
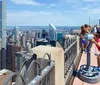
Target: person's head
86, 25
85, 28
96, 36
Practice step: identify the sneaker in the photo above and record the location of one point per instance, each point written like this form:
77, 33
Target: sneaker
97, 69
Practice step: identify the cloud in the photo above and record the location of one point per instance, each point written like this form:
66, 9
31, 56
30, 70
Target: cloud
28, 2
91, 0
40, 18
30, 18
53, 5
94, 11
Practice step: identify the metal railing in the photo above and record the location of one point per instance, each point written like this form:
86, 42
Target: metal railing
70, 47
45, 75
13, 75
70, 54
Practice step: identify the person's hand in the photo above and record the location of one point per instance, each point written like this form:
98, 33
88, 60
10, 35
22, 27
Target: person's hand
93, 41
87, 30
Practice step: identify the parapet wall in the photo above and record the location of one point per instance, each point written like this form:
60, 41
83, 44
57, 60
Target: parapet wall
57, 55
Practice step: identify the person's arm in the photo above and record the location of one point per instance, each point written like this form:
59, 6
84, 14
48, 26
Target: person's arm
81, 36
97, 43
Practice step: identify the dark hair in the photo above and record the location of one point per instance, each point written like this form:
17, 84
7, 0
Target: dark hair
86, 25
97, 35
82, 31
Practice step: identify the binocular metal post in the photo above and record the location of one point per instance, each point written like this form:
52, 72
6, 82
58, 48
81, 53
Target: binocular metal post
87, 73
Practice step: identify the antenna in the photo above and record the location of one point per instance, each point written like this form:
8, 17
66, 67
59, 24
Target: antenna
89, 20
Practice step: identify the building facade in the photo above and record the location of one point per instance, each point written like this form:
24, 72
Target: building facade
11, 57
3, 34
3, 23
52, 32
99, 21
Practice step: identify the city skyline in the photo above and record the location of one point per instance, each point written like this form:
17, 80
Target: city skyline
57, 12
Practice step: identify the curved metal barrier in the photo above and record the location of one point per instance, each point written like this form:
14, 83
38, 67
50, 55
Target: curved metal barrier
25, 79
49, 57
47, 75
46, 78
15, 74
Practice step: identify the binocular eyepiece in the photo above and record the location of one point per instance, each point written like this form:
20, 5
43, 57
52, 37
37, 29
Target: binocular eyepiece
89, 36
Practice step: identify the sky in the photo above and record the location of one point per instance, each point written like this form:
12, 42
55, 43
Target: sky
57, 12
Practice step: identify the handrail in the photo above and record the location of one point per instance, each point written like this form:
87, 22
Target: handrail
15, 74
66, 49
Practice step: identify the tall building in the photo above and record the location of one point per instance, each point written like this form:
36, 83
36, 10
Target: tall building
28, 46
3, 23
11, 57
23, 40
52, 32
3, 34
99, 21
15, 33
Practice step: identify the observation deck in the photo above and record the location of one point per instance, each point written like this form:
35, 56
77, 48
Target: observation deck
94, 52
45, 65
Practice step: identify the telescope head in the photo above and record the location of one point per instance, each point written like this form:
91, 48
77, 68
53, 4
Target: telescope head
89, 36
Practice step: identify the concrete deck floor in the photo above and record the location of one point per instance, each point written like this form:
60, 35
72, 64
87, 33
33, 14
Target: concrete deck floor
77, 81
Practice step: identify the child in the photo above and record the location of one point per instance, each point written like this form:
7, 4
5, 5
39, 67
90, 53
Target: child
96, 40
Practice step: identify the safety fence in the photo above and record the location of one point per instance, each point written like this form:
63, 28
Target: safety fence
71, 45
33, 72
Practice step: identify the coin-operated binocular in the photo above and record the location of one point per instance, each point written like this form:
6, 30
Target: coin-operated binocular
89, 36
87, 72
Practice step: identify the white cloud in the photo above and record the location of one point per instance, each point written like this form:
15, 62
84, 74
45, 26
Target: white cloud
40, 18
31, 18
28, 2
94, 11
53, 5
91, 0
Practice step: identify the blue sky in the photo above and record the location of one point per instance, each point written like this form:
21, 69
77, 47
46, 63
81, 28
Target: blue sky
57, 12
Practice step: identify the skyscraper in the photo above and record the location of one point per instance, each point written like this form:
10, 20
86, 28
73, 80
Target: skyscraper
15, 33
3, 23
99, 21
52, 32
3, 34
11, 57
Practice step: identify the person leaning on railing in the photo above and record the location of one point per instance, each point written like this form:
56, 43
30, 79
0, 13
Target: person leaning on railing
84, 29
